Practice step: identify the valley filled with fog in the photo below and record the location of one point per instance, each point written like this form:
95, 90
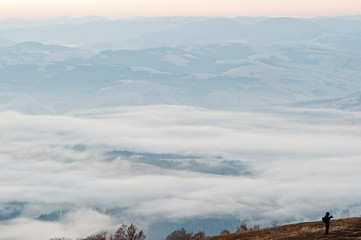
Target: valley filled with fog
195, 122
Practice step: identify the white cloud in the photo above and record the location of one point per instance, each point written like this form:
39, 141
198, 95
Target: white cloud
303, 162
75, 224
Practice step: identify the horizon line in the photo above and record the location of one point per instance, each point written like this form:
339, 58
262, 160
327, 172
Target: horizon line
171, 16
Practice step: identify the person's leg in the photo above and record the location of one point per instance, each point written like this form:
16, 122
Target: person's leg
327, 227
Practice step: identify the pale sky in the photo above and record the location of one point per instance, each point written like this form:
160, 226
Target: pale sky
130, 8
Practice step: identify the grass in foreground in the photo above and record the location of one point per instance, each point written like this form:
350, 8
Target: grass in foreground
342, 229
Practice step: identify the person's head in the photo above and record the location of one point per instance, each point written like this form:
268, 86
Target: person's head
327, 214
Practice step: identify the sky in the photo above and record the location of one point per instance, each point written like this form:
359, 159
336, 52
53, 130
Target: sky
35, 9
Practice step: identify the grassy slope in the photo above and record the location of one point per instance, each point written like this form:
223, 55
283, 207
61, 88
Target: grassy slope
349, 228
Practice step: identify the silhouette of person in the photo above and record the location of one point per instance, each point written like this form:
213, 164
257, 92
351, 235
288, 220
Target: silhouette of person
326, 219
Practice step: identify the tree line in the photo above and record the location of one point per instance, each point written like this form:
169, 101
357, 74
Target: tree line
125, 232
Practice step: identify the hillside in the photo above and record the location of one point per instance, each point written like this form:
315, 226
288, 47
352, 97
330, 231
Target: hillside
349, 228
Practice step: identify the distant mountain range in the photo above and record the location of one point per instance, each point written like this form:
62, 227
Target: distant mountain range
101, 33
221, 63
37, 77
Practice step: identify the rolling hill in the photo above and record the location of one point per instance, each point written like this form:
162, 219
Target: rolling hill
349, 228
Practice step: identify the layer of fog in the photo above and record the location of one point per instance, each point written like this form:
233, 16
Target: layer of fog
303, 162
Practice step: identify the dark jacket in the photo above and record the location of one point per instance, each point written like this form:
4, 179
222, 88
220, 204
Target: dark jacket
327, 218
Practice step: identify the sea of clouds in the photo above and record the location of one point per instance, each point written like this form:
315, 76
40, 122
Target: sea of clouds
303, 162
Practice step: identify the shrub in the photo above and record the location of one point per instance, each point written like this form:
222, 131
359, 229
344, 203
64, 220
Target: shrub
224, 232
242, 227
256, 227
199, 235
127, 233
180, 234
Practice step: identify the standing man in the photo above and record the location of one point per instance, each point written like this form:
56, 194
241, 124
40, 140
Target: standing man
326, 219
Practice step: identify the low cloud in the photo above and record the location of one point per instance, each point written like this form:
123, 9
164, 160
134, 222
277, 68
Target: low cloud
304, 162
75, 224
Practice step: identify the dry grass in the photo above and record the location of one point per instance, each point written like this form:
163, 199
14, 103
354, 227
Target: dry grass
342, 229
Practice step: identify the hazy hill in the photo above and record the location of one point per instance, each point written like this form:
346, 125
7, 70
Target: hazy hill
38, 53
220, 75
224, 29
284, 30
198, 61
5, 42
212, 30
92, 31
351, 102
101, 33
350, 43
339, 24
342, 229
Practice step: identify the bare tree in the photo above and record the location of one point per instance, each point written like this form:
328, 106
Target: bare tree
199, 235
97, 236
274, 223
180, 234
224, 232
123, 233
256, 227
127, 233
242, 227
